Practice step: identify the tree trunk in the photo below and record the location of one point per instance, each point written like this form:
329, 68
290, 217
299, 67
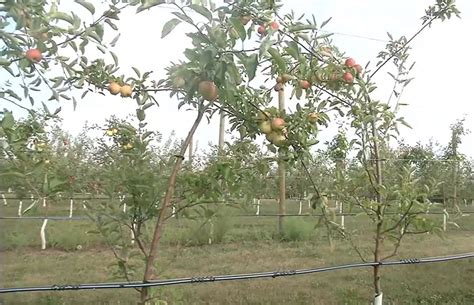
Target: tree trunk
190, 150
150, 259
380, 211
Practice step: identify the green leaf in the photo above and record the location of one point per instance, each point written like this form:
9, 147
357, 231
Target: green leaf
237, 25
293, 50
169, 26
278, 59
62, 16
111, 24
202, 10
55, 183
89, 6
147, 4
302, 27
136, 71
16, 174
183, 17
148, 105
264, 46
99, 29
325, 22
140, 115
251, 64
8, 121
4, 62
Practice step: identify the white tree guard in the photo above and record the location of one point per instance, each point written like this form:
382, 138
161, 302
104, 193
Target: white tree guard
211, 231
4, 199
122, 198
71, 207
258, 207
83, 205
445, 220
44, 202
132, 234
43, 234
173, 213
301, 208
20, 206
341, 211
378, 299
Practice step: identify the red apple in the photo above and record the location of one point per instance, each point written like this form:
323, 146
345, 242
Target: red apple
278, 124
34, 55
304, 84
348, 77
350, 62
274, 25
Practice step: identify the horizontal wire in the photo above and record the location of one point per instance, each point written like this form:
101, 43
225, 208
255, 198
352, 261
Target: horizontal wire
235, 277
239, 215
178, 198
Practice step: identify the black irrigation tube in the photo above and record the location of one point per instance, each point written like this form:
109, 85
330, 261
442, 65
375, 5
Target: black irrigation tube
234, 277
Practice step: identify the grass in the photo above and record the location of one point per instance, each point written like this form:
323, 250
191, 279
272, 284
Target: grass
239, 245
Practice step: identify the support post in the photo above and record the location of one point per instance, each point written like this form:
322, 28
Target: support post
281, 171
221, 131
4, 199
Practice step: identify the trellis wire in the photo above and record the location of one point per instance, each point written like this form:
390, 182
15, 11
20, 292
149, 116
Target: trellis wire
237, 215
235, 277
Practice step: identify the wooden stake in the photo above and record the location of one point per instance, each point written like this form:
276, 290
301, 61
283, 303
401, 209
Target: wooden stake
281, 171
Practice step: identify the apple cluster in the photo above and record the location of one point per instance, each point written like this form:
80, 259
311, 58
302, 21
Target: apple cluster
125, 90
273, 128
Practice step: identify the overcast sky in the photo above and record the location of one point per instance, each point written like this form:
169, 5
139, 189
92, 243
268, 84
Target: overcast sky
439, 95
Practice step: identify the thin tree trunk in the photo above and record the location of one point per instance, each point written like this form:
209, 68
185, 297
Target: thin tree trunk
166, 204
190, 150
380, 212
281, 172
